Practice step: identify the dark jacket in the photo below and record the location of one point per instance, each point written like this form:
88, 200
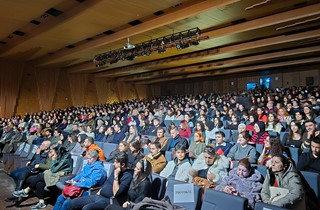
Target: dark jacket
176, 140
307, 162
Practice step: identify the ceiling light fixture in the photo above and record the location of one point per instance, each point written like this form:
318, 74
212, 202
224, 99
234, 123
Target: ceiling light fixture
179, 40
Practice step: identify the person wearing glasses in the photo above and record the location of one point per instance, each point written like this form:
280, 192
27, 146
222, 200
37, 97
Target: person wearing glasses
210, 165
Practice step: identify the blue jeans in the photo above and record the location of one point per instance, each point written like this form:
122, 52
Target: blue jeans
16, 174
62, 203
91, 202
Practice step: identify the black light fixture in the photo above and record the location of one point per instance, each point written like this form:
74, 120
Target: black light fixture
179, 40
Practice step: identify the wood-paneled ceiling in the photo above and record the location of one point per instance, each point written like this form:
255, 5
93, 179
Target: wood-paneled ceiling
239, 35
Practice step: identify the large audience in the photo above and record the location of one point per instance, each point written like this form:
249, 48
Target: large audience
213, 140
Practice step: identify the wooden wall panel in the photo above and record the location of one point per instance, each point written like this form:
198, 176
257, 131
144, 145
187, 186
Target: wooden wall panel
78, 86
141, 91
290, 79
90, 97
10, 81
46, 80
310, 73
62, 97
28, 98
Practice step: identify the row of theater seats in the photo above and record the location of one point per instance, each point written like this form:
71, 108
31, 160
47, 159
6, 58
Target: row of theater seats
211, 200
25, 152
161, 185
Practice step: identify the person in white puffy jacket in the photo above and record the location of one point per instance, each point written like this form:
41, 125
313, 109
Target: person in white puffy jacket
178, 168
210, 165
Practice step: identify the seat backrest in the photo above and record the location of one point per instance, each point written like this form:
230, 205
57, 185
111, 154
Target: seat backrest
216, 200
108, 167
261, 168
99, 144
313, 179
273, 133
177, 123
159, 185
146, 150
259, 148
196, 205
108, 148
227, 133
294, 153
284, 137
168, 155
284, 125
32, 152
265, 206
167, 123
26, 149
20, 148
77, 164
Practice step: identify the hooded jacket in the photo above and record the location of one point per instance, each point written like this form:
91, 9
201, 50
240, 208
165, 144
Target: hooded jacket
219, 167
248, 187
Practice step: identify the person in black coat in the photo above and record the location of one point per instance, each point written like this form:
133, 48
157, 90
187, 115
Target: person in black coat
310, 161
174, 140
140, 186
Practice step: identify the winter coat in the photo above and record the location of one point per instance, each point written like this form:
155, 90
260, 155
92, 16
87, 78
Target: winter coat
158, 162
288, 179
219, 167
248, 187
92, 175
182, 173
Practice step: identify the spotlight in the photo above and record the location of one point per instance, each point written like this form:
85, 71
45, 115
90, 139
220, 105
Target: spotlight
160, 51
194, 42
180, 40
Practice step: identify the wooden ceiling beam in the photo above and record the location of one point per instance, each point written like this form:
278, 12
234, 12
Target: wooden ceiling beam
220, 64
182, 13
241, 47
247, 26
231, 70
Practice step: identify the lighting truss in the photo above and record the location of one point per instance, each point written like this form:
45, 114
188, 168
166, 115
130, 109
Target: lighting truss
179, 40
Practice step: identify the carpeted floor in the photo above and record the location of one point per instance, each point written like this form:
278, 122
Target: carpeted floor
7, 186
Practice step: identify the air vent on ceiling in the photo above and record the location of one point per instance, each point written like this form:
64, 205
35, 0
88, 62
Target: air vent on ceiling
158, 13
2, 42
54, 12
70, 46
109, 32
19, 33
135, 22
35, 22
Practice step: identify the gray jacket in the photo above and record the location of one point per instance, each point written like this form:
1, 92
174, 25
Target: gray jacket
288, 179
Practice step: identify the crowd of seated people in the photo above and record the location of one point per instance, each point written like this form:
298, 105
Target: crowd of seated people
231, 126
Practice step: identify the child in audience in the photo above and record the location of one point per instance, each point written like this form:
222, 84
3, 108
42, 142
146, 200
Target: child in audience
178, 168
